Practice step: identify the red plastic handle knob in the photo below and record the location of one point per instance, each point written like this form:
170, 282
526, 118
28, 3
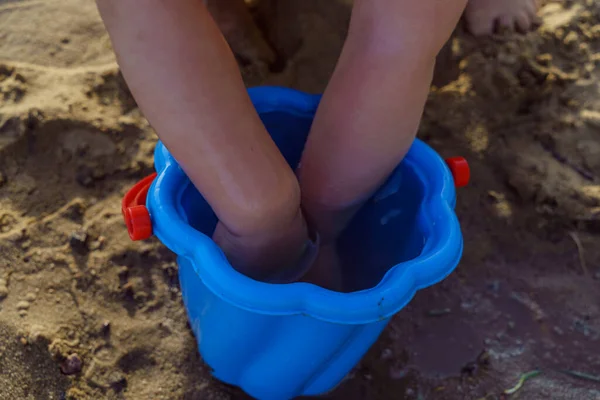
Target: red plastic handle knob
135, 213
138, 223
460, 170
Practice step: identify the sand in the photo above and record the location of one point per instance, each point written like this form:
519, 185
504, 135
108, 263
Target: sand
87, 314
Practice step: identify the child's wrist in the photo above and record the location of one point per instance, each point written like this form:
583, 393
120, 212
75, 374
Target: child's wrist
266, 255
266, 214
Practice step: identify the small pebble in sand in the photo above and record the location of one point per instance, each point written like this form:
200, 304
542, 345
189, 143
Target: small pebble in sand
30, 297
85, 177
20, 78
571, 38
558, 331
387, 354
3, 292
95, 245
494, 286
105, 328
78, 241
22, 313
36, 335
23, 305
71, 365
544, 59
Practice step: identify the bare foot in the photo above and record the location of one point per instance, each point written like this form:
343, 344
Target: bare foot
485, 16
241, 32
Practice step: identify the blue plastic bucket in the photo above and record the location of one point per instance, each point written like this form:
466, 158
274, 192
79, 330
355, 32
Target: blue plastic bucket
280, 341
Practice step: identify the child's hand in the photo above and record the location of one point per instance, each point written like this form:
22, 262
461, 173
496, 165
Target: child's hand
267, 255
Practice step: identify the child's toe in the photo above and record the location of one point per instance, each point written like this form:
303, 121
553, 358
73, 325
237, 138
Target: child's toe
480, 26
506, 21
531, 7
523, 21
483, 16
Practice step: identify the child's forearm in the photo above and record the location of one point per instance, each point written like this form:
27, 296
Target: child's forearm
371, 110
365, 124
186, 81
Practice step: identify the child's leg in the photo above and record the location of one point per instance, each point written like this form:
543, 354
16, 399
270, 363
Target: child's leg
246, 40
187, 83
483, 16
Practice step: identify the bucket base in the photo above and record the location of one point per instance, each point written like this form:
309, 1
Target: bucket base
345, 379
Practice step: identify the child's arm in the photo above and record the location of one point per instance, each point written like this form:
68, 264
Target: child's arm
187, 83
371, 109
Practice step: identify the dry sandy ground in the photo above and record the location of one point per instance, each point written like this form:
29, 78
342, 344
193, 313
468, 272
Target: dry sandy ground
77, 296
